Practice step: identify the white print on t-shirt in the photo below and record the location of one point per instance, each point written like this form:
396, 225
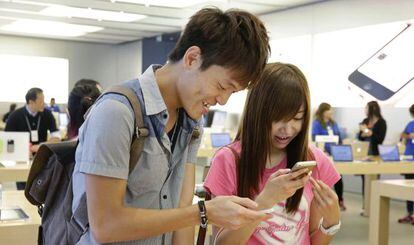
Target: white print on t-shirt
284, 228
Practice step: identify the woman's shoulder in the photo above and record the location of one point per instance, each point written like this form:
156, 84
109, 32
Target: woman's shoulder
319, 155
227, 153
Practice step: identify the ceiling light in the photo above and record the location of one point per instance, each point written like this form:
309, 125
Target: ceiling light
65, 11
168, 3
52, 28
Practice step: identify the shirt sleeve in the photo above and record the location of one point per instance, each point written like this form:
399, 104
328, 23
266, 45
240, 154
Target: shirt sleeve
51, 121
378, 131
325, 169
221, 178
315, 129
194, 146
105, 139
409, 128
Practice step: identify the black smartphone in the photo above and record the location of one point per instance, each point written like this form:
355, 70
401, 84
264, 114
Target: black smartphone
386, 74
10, 146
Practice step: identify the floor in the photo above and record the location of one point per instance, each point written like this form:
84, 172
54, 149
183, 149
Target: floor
355, 228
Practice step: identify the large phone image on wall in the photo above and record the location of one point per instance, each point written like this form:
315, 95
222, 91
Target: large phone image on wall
388, 72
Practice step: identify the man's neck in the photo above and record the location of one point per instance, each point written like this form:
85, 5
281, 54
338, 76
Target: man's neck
31, 110
167, 77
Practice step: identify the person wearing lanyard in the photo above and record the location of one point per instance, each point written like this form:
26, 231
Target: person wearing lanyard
325, 125
34, 119
408, 136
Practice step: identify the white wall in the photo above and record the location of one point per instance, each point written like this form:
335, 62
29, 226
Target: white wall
335, 15
105, 63
304, 23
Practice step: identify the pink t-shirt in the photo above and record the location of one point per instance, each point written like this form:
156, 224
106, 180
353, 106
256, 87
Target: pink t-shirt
282, 228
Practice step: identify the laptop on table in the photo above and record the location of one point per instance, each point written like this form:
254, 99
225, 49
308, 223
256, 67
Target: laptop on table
342, 153
389, 153
220, 139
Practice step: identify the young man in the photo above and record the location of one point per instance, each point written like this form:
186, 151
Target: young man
217, 55
33, 118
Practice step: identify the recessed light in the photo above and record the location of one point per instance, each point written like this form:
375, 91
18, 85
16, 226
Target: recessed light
89, 13
52, 28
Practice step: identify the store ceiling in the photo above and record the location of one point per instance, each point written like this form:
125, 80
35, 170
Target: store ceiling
114, 21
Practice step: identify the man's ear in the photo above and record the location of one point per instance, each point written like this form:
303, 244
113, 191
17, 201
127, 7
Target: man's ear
192, 58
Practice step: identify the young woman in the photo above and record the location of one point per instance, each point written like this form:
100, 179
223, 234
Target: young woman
372, 129
82, 96
325, 125
272, 138
408, 136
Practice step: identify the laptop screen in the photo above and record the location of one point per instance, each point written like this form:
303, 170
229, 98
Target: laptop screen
389, 153
220, 139
341, 153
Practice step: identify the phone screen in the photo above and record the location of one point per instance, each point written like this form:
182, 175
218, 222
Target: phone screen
392, 65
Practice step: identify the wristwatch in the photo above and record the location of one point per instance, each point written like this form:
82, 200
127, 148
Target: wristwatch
331, 230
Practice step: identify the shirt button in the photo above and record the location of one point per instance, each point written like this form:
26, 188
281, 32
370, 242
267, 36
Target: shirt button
165, 196
164, 116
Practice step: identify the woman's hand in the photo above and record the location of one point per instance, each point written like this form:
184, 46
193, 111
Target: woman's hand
326, 202
281, 185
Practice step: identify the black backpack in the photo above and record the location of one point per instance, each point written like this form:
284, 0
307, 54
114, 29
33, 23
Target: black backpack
49, 185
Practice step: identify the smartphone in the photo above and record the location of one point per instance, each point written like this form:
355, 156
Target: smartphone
386, 75
305, 164
10, 146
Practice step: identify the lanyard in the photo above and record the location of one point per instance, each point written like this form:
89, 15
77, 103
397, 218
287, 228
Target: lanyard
38, 123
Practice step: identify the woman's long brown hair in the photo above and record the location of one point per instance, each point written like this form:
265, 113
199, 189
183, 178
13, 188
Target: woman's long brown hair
279, 95
319, 113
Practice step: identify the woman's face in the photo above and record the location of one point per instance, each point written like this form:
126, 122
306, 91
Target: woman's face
327, 115
283, 132
366, 110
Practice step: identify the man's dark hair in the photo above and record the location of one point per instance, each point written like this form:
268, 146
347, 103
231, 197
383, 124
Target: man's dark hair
32, 94
236, 40
412, 110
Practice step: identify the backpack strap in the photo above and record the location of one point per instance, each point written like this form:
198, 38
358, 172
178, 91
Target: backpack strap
79, 219
140, 131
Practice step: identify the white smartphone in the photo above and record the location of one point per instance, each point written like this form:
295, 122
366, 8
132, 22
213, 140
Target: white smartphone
305, 164
386, 75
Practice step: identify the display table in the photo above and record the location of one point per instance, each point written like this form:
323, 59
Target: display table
382, 191
18, 172
371, 170
19, 232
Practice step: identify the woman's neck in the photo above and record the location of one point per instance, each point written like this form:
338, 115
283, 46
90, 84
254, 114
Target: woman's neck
276, 157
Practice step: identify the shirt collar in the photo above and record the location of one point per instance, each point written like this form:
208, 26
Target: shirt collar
33, 114
154, 103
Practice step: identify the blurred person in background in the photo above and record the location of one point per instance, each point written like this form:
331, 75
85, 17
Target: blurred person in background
408, 136
373, 129
325, 125
33, 118
80, 99
52, 106
11, 109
